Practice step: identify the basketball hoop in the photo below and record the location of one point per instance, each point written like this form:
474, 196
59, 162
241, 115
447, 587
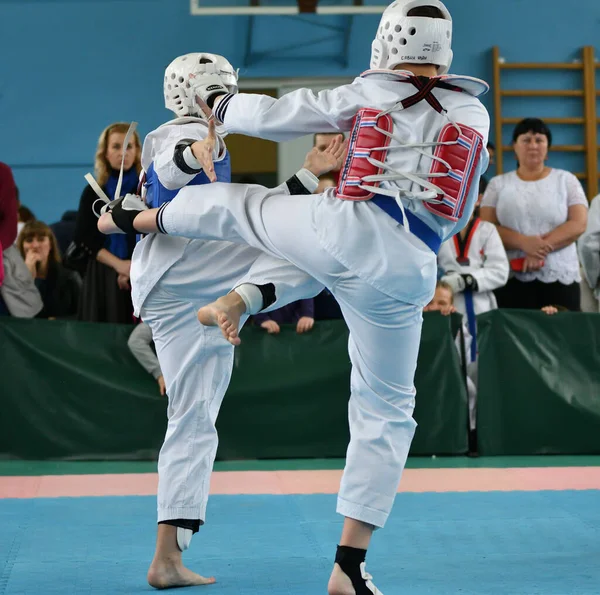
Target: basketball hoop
307, 6
293, 7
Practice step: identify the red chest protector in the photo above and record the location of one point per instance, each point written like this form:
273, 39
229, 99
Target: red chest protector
462, 155
363, 139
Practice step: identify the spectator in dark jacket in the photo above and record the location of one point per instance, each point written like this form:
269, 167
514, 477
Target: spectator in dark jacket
105, 261
64, 230
302, 313
59, 287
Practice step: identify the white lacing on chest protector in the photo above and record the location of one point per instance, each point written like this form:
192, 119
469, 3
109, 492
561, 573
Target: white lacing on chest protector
431, 191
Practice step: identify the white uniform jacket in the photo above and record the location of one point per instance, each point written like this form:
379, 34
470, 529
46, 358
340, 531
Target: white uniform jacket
481, 255
588, 247
341, 226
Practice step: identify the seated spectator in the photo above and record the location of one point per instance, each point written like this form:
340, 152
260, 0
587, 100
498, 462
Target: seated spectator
551, 310
474, 263
443, 300
105, 261
141, 345
589, 256
326, 307
539, 212
64, 230
19, 296
301, 312
59, 287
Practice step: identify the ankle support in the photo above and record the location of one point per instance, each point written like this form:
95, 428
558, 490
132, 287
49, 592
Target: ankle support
256, 297
352, 562
185, 530
192, 524
251, 296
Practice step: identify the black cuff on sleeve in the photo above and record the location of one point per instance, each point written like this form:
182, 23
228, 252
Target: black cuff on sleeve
296, 187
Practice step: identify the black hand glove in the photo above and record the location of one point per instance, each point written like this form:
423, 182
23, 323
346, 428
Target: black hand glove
125, 210
470, 282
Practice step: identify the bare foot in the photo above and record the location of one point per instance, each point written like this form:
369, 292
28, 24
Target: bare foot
339, 583
106, 224
225, 313
170, 574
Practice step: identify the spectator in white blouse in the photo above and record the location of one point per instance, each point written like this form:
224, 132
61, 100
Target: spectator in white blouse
539, 212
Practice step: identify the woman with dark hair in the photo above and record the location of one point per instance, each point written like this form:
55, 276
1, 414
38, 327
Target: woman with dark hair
540, 212
59, 287
105, 262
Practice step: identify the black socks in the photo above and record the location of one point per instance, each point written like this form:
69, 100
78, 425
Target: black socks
349, 560
192, 525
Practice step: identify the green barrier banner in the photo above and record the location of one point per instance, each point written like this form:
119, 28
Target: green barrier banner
289, 394
539, 383
441, 408
72, 390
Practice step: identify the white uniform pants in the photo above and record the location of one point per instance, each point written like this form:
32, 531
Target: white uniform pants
384, 333
197, 361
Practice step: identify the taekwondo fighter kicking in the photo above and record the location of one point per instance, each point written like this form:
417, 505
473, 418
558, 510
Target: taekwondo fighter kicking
410, 181
171, 278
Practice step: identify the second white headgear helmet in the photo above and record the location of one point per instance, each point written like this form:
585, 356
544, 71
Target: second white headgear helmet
402, 39
178, 98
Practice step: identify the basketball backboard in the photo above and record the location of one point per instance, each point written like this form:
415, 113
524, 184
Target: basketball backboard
285, 7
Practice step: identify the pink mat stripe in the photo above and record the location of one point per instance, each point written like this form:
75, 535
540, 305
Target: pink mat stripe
308, 482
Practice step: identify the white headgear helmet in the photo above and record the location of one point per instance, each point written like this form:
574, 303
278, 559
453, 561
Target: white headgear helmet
178, 99
402, 39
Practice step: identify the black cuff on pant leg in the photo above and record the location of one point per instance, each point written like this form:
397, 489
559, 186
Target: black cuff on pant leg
192, 524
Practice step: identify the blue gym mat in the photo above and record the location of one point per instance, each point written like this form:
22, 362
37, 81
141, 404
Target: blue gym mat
513, 543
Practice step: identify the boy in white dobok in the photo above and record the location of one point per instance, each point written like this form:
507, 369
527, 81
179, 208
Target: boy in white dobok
474, 263
173, 277
588, 247
410, 180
